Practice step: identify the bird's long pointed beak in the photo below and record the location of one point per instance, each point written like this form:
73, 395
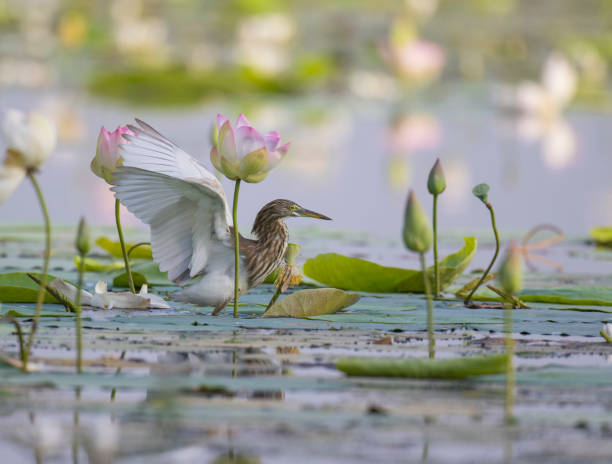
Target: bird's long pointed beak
312, 214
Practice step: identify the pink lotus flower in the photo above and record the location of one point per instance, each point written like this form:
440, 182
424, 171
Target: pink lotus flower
418, 59
107, 157
243, 153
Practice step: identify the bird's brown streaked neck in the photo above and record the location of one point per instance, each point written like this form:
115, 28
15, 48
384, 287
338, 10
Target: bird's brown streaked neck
266, 252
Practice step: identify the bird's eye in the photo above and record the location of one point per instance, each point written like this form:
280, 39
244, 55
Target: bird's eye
294, 207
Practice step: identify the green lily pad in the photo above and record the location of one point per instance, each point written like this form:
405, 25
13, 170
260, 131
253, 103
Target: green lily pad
146, 273
582, 295
602, 235
17, 287
312, 302
424, 368
114, 249
360, 275
94, 265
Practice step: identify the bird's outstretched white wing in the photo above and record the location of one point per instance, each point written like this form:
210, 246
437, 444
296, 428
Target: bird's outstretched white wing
183, 203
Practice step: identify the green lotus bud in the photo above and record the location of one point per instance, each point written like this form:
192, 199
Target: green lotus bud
510, 274
436, 183
417, 231
481, 191
83, 242
291, 253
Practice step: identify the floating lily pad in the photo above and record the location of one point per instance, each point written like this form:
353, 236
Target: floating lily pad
94, 265
424, 368
147, 273
17, 287
312, 302
602, 235
114, 249
348, 273
570, 295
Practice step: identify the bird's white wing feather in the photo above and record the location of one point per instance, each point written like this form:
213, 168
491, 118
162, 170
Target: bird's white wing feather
183, 203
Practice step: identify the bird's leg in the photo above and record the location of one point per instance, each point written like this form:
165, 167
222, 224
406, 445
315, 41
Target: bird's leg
221, 305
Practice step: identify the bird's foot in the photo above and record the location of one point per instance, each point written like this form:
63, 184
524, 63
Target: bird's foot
220, 306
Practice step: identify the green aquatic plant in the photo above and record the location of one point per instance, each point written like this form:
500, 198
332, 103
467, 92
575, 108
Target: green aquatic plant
83, 245
481, 191
30, 140
436, 184
417, 235
510, 277
104, 165
241, 153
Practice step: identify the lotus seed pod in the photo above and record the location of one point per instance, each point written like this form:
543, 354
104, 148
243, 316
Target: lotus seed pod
436, 183
417, 231
510, 274
481, 191
83, 242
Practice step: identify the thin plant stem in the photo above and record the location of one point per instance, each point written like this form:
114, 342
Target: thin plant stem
117, 372
236, 247
435, 248
47, 254
79, 322
430, 330
510, 378
277, 293
469, 297
123, 249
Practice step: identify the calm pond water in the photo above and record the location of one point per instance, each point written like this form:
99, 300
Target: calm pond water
355, 167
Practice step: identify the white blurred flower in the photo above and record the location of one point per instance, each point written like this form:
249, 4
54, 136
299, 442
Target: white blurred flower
10, 178
414, 132
368, 84
559, 145
31, 138
102, 440
263, 42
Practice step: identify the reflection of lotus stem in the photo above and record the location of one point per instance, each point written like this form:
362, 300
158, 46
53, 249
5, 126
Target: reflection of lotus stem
469, 297
430, 331
79, 322
236, 247
117, 372
75, 434
123, 250
435, 247
41, 291
510, 381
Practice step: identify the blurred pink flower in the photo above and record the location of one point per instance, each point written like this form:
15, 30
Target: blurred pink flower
414, 132
243, 153
107, 157
416, 59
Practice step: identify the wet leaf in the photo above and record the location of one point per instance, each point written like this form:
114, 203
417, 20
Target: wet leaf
312, 302
114, 248
570, 295
360, 275
424, 368
602, 235
17, 287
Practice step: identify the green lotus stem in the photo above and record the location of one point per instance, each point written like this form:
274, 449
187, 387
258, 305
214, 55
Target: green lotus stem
17, 325
133, 247
510, 377
430, 330
79, 322
277, 293
236, 247
123, 250
47, 254
75, 435
469, 297
435, 248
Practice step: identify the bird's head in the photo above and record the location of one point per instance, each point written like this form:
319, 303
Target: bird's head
281, 209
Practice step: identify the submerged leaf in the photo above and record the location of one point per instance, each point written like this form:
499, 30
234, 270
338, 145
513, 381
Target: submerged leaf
360, 275
114, 248
424, 368
312, 302
17, 287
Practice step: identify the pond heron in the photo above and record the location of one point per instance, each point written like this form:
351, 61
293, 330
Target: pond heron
191, 227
